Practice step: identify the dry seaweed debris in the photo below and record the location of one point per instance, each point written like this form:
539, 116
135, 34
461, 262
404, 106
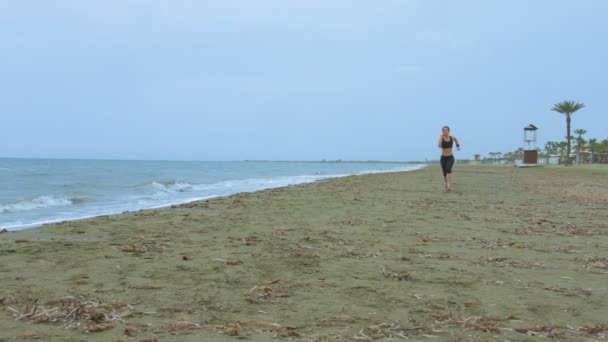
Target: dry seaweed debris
485, 323
229, 262
500, 261
254, 326
148, 246
569, 292
397, 275
181, 326
504, 244
596, 262
70, 312
379, 331
263, 294
598, 330
546, 330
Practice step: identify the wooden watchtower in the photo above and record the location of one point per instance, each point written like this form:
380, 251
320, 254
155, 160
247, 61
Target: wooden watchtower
530, 151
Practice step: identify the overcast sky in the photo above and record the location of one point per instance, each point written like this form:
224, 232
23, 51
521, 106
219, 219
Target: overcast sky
295, 80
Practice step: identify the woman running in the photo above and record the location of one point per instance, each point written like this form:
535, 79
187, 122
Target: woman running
446, 142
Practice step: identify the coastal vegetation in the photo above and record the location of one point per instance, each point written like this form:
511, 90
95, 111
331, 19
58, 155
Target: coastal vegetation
584, 151
567, 108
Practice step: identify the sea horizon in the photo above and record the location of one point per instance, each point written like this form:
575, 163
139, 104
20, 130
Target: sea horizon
219, 160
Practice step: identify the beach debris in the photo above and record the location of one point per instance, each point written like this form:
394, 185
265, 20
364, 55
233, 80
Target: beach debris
338, 320
146, 287
596, 262
442, 256
301, 250
180, 326
466, 217
176, 310
147, 246
500, 261
82, 281
133, 248
259, 294
186, 257
352, 221
485, 323
6, 300
281, 229
374, 254
569, 292
384, 330
28, 335
593, 329
250, 240
280, 330
231, 331
503, 244
125, 314
396, 275
378, 331
340, 241
238, 328
68, 312
350, 253
229, 262
582, 231
565, 249
263, 294
98, 327
149, 339
544, 330
274, 281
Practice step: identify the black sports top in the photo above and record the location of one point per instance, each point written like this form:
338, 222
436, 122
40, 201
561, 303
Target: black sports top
447, 144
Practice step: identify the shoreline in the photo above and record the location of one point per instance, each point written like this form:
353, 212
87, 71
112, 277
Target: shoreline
39, 224
509, 253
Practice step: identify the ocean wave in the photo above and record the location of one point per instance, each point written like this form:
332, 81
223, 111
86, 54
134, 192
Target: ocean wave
172, 186
39, 202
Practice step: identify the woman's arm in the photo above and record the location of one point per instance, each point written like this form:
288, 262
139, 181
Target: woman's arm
439, 142
457, 143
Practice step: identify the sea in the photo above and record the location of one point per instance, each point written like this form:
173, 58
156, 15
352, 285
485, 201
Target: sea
34, 192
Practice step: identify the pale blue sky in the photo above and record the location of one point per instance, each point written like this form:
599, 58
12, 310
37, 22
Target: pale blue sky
276, 79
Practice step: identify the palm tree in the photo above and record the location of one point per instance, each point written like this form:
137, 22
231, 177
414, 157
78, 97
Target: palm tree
593, 145
551, 147
567, 108
492, 156
562, 145
580, 142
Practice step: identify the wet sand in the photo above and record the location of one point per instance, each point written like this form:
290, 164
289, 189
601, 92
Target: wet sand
508, 255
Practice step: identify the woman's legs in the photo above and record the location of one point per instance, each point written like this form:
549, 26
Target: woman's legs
448, 172
443, 161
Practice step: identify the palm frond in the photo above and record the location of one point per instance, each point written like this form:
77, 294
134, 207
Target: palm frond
567, 107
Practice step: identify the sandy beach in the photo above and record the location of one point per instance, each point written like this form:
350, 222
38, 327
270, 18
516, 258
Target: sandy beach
510, 254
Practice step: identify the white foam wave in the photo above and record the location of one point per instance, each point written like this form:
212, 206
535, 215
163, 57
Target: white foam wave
39, 202
175, 186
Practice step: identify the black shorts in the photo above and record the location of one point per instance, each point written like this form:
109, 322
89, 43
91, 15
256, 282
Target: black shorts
446, 164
